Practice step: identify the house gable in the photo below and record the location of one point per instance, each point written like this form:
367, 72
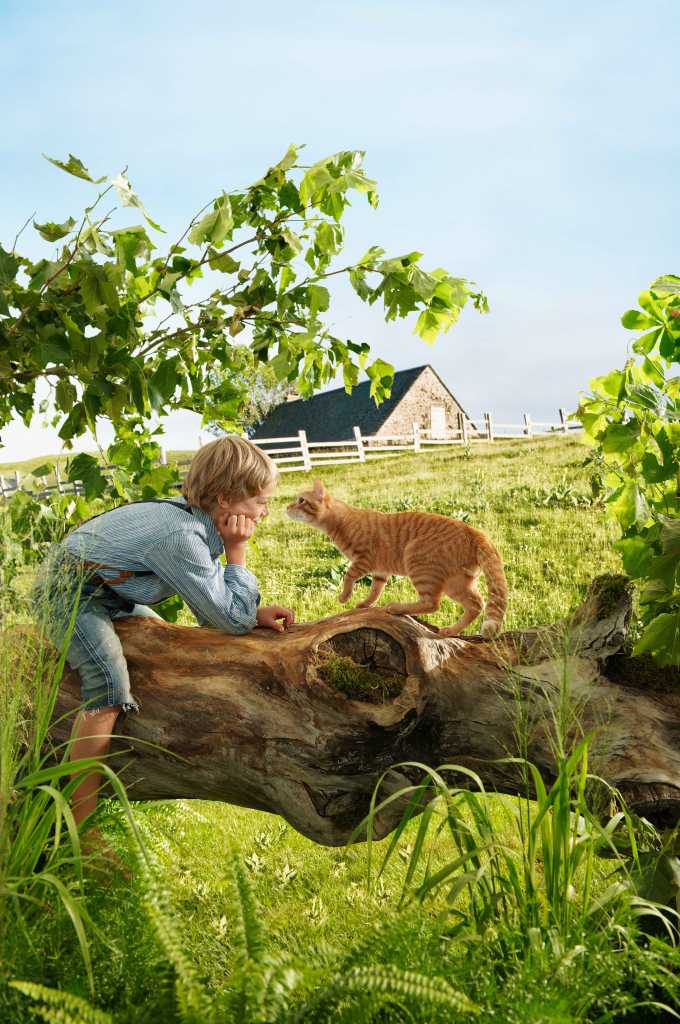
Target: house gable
416, 406
332, 416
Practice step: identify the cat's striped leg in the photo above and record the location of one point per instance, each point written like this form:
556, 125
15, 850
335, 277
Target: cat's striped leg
427, 577
429, 596
377, 587
463, 589
354, 573
425, 604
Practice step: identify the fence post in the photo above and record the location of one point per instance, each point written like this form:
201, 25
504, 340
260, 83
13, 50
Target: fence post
163, 457
17, 479
306, 460
416, 437
3, 490
489, 426
563, 420
463, 427
360, 444
527, 424
57, 479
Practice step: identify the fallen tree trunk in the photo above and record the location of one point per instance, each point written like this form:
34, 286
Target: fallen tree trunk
302, 724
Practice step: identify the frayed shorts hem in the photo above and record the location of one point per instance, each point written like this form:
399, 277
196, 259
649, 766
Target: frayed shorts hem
126, 707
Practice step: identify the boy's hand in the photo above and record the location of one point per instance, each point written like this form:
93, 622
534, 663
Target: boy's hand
235, 532
270, 614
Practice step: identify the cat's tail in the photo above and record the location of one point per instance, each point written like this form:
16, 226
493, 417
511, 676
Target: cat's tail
497, 588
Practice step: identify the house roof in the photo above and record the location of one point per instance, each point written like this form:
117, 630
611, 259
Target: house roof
331, 416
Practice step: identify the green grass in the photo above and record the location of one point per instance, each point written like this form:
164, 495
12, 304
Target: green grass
315, 904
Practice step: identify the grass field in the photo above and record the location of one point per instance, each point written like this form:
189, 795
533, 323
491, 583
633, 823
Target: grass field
315, 907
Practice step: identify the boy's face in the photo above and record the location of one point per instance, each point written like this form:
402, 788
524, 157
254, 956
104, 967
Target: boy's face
254, 507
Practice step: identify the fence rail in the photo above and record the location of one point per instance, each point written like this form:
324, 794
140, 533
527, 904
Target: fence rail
298, 454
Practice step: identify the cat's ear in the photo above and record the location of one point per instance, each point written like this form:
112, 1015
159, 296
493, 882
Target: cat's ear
319, 490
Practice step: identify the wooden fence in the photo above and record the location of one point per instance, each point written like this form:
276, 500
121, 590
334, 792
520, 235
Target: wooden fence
298, 453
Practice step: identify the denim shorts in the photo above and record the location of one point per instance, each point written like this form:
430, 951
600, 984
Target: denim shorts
94, 650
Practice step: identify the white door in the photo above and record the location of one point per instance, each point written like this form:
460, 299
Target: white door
437, 421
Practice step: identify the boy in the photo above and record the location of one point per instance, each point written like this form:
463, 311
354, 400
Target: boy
139, 554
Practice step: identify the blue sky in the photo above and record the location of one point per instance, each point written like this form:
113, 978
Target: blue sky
532, 147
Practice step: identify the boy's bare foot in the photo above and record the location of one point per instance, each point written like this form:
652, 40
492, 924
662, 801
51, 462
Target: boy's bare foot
100, 855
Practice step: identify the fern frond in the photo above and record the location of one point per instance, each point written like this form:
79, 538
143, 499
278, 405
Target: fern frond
246, 933
193, 1002
392, 982
61, 1007
407, 984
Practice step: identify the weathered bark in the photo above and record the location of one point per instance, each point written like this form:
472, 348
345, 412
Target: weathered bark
250, 720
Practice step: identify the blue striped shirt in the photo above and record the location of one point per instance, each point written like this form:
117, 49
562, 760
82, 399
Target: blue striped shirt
183, 553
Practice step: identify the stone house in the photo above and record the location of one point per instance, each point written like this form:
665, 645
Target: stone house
418, 395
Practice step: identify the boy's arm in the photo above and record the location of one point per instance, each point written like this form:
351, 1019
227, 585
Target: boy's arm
226, 597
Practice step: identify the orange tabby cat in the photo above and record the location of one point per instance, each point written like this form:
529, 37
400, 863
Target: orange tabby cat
439, 554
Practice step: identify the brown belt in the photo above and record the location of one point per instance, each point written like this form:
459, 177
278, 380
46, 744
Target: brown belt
123, 574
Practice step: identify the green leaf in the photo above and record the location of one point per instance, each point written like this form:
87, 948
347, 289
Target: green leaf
9, 264
158, 480
427, 326
381, 375
325, 238
670, 535
663, 570
667, 344
65, 395
612, 384
52, 232
129, 198
54, 352
655, 472
423, 284
163, 384
646, 342
75, 167
630, 506
634, 320
288, 160
619, 437
290, 197
74, 424
319, 299
170, 608
138, 390
223, 262
215, 226
85, 467
97, 289
636, 554
132, 243
669, 284
662, 639
653, 370
287, 277
673, 434
357, 278
43, 470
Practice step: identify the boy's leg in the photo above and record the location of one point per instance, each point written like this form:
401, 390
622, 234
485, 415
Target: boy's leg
96, 654
91, 737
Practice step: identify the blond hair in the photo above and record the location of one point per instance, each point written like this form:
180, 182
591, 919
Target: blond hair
230, 466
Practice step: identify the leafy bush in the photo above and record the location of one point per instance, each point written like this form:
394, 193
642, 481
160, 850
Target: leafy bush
633, 418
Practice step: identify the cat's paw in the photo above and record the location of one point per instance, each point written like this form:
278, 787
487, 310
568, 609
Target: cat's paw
343, 597
365, 604
392, 608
